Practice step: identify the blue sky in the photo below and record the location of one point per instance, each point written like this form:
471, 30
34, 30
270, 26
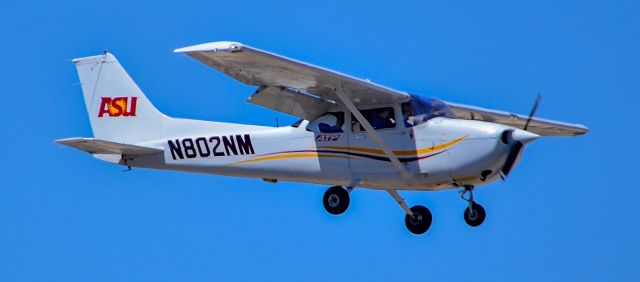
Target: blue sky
568, 212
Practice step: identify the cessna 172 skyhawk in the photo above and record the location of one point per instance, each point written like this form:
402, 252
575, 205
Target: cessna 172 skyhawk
352, 132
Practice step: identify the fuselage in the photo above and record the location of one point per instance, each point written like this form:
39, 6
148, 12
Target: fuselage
441, 153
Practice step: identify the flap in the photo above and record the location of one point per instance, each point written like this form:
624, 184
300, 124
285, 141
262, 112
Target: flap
290, 102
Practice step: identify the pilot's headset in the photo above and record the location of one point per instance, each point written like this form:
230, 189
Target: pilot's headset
323, 124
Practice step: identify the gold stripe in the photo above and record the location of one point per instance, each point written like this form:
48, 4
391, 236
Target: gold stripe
455, 180
463, 179
290, 156
400, 153
356, 149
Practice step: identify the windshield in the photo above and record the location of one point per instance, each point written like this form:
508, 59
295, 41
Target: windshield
421, 109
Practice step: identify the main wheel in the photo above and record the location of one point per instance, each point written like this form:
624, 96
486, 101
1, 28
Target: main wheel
336, 200
420, 221
474, 216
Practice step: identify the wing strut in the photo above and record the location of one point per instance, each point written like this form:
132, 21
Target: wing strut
394, 194
372, 133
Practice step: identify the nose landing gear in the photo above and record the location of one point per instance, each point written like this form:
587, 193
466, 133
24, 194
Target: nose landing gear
474, 214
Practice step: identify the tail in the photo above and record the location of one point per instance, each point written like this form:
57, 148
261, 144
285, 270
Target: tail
118, 110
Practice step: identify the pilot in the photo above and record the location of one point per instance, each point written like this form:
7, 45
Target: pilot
383, 120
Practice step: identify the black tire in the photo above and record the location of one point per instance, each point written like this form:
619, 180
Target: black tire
421, 220
336, 200
476, 218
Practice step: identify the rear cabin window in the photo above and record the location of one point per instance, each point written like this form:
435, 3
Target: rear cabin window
328, 123
379, 118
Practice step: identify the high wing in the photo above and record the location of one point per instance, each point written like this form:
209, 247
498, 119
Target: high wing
287, 85
308, 91
543, 127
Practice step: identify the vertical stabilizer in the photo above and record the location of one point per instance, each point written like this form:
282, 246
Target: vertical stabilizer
118, 110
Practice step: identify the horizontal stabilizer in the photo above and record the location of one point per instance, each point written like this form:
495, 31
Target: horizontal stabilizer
97, 146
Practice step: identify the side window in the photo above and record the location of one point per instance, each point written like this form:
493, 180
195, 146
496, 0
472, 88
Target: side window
380, 118
328, 123
420, 110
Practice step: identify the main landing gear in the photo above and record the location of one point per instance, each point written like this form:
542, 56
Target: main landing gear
336, 199
474, 214
417, 219
420, 221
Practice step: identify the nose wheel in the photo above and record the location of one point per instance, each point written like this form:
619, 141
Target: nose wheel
336, 200
474, 214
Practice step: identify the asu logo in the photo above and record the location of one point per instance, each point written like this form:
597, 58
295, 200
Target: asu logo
119, 106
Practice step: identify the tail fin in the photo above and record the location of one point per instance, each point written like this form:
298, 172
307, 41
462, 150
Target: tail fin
118, 110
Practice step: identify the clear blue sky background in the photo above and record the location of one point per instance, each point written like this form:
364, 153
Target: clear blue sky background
569, 212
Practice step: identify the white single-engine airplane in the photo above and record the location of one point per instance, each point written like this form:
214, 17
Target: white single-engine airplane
351, 133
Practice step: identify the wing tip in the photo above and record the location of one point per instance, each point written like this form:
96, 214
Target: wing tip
66, 141
219, 46
582, 130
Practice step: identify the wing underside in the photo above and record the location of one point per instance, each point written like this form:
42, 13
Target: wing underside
543, 127
260, 68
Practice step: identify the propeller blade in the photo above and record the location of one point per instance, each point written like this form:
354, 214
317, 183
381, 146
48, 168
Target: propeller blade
514, 151
533, 111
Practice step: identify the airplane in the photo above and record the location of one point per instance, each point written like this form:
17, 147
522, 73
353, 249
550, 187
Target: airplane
351, 133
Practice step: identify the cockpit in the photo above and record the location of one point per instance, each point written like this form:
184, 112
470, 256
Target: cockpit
420, 109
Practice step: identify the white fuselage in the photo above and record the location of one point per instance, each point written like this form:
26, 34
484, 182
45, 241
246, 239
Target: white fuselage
440, 154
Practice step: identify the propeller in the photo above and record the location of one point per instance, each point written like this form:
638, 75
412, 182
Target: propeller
533, 111
514, 139
515, 147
